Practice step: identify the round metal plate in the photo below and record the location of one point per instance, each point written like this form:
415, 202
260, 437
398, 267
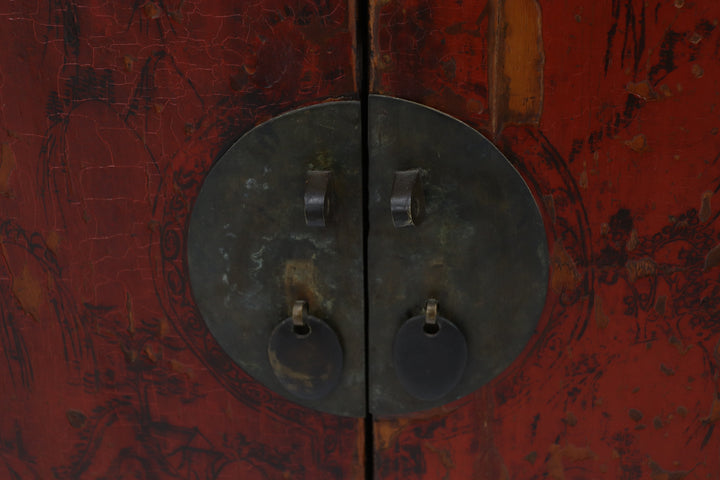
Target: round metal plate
251, 254
480, 249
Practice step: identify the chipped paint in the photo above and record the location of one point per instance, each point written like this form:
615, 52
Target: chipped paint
638, 143
632, 242
714, 414
565, 275
712, 259
642, 90
52, 240
705, 206
76, 418
31, 292
639, 268
557, 456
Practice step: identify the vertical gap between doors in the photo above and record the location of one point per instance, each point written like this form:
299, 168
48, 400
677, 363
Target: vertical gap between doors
363, 61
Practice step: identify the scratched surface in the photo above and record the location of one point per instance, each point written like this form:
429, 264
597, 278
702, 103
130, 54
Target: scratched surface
112, 113
621, 379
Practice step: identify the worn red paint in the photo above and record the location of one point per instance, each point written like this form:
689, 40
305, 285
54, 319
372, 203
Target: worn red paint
111, 114
626, 148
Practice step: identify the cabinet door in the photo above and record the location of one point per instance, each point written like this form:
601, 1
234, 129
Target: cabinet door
609, 111
112, 114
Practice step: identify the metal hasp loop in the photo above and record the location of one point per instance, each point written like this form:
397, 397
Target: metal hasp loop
318, 198
431, 312
407, 203
299, 317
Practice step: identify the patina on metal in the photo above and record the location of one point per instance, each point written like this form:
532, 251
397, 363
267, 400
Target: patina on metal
305, 355
481, 251
251, 254
429, 355
407, 201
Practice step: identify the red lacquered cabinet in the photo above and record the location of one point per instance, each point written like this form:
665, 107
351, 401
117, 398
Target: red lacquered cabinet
112, 114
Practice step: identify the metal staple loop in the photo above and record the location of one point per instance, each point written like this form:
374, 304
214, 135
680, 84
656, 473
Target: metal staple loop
431, 309
299, 313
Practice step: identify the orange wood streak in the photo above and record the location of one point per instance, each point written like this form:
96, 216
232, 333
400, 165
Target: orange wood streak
516, 62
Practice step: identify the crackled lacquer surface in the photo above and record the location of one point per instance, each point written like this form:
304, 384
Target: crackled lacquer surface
610, 110
112, 114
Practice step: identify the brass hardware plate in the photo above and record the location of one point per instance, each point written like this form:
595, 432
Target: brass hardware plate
251, 254
480, 249
279, 219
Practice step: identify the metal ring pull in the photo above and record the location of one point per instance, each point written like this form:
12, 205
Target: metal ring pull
305, 354
429, 354
407, 202
318, 198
